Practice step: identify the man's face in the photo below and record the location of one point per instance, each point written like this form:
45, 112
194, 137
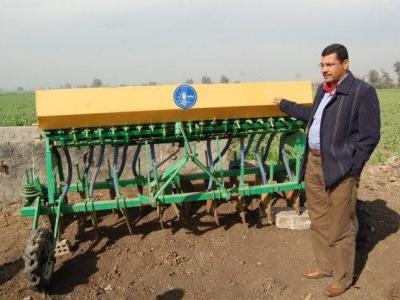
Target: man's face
332, 69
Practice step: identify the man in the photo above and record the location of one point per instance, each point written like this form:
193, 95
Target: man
343, 130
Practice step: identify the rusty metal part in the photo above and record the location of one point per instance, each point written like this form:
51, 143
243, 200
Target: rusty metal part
4, 168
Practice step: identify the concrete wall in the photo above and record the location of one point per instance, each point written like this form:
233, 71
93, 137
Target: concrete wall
21, 147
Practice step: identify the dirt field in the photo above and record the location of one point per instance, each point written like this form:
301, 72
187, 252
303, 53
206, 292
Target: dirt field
200, 260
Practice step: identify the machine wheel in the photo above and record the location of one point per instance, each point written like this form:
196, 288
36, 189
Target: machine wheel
39, 259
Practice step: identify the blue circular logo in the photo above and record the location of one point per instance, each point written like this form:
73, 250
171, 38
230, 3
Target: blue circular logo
185, 96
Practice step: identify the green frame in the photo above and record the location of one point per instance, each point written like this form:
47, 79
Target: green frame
45, 199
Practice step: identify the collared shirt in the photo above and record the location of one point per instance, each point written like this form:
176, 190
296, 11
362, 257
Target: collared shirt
314, 137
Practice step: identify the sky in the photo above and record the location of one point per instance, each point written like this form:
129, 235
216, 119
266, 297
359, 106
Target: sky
50, 42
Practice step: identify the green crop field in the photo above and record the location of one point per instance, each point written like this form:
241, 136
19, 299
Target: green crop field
389, 144
18, 109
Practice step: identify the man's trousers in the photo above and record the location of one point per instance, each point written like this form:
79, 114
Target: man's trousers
333, 216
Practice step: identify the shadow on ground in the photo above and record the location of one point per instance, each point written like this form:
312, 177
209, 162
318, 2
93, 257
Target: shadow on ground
175, 294
377, 222
78, 269
10, 269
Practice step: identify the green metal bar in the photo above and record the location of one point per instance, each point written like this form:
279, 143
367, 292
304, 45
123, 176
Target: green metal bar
164, 133
36, 213
220, 162
271, 172
211, 175
148, 169
107, 184
167, 183
89, 206
182, 132
49, 171
59, 166
270, 188
155, 172
109, 169
241, 179
298, 167
58, 218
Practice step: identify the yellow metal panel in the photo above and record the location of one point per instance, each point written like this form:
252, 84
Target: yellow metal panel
75, 108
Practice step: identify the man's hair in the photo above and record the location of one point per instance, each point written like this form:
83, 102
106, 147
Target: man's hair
339, 49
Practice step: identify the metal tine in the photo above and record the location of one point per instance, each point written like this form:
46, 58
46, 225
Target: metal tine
284, 157
266, 200
91, 188
160, 214
292, 196
96, 170
289, 194
88, 163
88, 160
271, 202
264, 197
115, 178
240, 203
211, 164
67, 183
160, 210
211, 204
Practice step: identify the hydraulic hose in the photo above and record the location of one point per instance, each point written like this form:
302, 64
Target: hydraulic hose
226, 147
69, 177
88, 162
268, 146
123, 160
135, 159
260, 163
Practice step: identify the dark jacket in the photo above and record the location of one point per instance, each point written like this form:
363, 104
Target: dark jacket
350, 127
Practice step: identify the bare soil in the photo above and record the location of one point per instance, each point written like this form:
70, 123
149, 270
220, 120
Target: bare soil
200, 260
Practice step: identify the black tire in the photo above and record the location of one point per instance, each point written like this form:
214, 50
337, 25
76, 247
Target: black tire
39, 259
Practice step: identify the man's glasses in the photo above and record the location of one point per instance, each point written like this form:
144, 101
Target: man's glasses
328, 65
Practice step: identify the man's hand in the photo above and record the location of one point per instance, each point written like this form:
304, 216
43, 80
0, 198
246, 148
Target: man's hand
277, 100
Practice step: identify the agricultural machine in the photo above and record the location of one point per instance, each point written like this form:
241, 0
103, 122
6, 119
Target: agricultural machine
224, 135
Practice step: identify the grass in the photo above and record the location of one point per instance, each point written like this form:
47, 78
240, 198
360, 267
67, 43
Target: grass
18, 109
389, 144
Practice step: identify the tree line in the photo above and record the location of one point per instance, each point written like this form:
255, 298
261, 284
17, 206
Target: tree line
383, 80
380, 80
97, 82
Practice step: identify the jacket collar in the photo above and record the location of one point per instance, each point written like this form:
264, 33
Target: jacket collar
345, 85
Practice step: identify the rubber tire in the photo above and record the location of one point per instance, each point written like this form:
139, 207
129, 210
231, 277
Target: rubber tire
39, 259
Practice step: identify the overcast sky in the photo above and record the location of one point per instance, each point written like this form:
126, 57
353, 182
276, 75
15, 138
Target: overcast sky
48, 43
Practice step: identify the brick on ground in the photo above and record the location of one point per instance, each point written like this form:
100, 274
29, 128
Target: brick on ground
289, 219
